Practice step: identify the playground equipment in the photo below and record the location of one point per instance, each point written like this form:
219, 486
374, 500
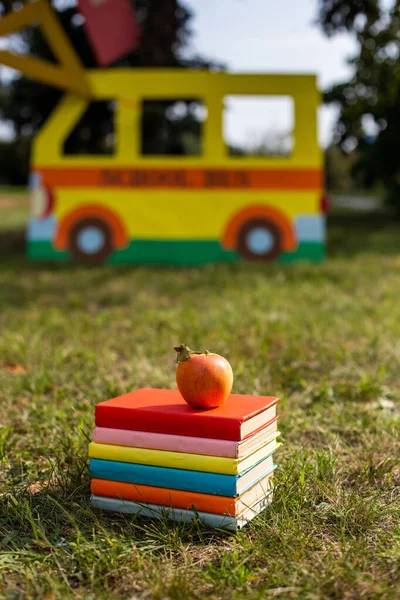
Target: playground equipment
134, 208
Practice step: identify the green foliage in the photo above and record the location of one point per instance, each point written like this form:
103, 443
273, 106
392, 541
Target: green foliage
370, 101
343, 15
338, 165
14, 162
324, 338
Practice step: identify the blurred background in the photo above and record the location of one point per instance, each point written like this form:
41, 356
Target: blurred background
353, 46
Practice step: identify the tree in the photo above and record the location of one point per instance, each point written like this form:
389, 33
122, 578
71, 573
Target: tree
369, 102
165, 33
338, 170
346, 15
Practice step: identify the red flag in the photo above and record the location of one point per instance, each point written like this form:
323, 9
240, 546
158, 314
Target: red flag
111, 27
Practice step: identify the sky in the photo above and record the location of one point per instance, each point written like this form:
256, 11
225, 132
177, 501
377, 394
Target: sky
270, 36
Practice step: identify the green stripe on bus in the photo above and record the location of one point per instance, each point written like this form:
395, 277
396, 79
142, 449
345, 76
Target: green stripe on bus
176, 252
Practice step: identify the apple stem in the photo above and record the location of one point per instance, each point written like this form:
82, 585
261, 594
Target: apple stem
184, 353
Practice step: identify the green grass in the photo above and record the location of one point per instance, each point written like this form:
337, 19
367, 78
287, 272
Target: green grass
323, 338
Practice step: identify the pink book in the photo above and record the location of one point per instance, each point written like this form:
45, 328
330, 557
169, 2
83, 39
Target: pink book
183, 443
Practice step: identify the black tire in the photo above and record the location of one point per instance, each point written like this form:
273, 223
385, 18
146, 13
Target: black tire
98, 253
269, 243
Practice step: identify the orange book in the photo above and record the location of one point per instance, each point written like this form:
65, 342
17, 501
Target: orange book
181, 499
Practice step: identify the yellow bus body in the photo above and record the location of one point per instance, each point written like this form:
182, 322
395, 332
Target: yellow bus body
131, 208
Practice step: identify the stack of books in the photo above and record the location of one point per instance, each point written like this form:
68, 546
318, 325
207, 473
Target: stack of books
154, 455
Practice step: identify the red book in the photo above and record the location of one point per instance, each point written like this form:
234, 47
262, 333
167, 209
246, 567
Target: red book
165, 411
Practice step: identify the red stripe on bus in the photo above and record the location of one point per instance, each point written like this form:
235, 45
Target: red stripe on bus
209, 178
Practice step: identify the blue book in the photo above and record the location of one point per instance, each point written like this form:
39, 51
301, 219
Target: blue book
180, 479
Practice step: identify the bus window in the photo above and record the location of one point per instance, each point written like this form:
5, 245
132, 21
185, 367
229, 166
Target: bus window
172, 128
94, 133
258, 125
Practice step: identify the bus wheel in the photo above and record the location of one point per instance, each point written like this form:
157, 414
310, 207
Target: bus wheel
91, 241
259, 239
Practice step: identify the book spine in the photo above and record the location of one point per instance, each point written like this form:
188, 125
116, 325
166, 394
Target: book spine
161, 441
164, 496
163, 458
192, 481
154, 511
157, 422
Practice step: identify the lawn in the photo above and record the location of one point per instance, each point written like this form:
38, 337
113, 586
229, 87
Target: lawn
326, 339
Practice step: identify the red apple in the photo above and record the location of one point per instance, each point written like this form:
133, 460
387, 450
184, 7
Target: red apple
204, 379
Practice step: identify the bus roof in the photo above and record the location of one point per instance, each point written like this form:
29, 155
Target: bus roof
172, 83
